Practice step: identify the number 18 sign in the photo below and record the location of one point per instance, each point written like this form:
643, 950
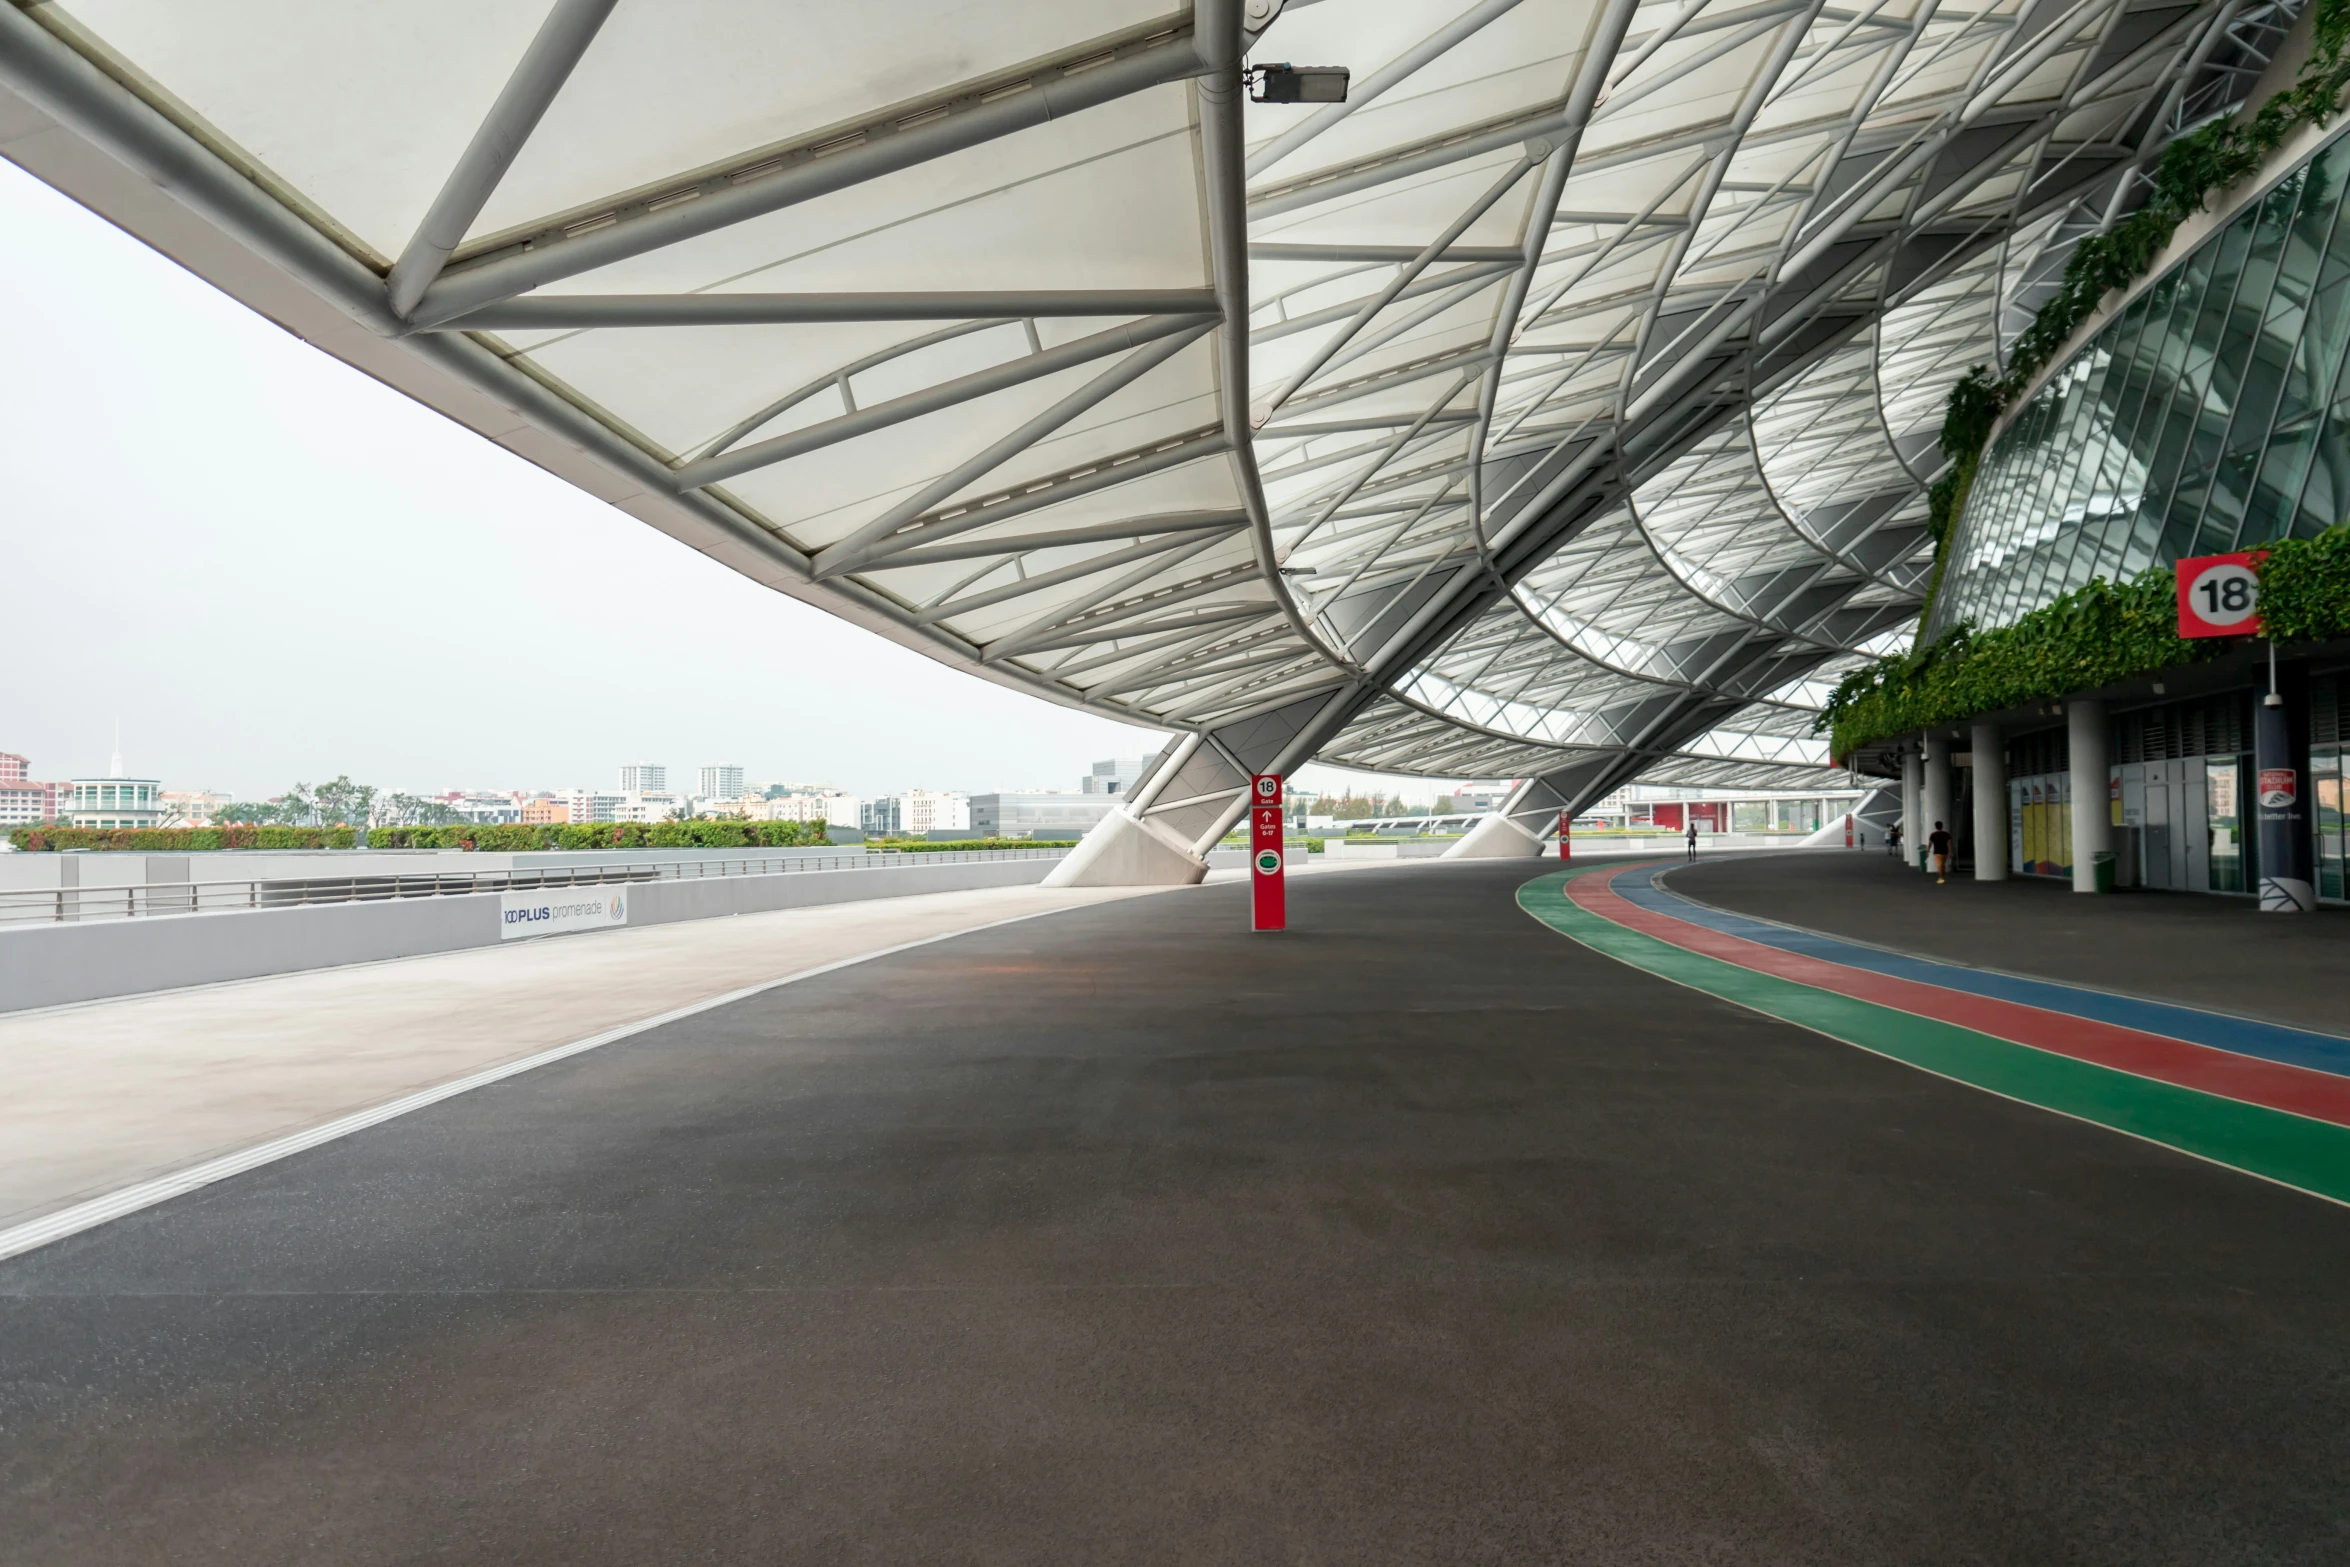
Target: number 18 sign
2219, 595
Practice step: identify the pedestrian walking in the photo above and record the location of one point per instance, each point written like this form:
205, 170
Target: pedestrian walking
1893, 840
1692, 840
1938, 845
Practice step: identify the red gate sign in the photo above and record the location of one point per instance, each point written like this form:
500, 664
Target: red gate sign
2278, 787
1565, 821
2219, 595
1268, 903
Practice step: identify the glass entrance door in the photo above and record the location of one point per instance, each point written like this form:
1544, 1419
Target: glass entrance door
2223, 794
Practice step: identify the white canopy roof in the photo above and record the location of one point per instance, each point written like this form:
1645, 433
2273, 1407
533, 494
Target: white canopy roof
1564, 399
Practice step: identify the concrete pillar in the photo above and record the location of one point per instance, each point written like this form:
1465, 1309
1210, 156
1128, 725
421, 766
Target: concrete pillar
1515, 831
1936, 794
2279, 811
2092, 810
1495, 836
1121, 851
1990, 804
1913, 805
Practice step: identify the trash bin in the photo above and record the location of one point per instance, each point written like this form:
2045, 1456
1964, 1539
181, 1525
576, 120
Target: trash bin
2101, 867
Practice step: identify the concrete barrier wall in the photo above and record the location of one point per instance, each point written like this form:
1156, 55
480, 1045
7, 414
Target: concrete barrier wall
53, 965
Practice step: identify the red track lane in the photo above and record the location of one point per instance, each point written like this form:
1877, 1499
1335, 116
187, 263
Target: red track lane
2319, 1095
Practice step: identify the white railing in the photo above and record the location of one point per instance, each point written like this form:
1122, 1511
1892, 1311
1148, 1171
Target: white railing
49, 905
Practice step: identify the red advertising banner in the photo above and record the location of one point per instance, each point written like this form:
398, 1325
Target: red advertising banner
2219, 595
1268, 901
1565, 822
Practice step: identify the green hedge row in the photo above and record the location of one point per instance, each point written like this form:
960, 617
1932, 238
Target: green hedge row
512, 839
498, 839
925, 846
2093, 636
172, 840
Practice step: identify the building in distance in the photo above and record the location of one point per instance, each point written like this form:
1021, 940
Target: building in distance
114, 801
25, 800
1115, 776
643, 778
192, 807
923, 811
490, 807
1044, 813
915, 813
830, 807
722, 782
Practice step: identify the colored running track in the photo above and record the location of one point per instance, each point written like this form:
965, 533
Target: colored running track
2266, 1099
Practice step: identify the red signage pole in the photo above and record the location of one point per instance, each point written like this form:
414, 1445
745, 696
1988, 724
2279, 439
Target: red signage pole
1268, 902
1565, 821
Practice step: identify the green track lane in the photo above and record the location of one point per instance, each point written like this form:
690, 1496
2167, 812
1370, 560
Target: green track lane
2296, 1151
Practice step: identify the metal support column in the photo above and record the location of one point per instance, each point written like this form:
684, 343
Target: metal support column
2280, 793
1934, 803
1913, 807
2092, 795
1990, 804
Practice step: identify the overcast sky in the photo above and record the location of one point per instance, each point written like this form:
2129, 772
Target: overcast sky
268, 567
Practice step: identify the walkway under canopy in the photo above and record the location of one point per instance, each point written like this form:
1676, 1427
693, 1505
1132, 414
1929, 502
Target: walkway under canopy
1561, 406
1418, 1233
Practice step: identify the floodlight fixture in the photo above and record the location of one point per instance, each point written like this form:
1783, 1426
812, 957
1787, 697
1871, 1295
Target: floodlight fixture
1286, 83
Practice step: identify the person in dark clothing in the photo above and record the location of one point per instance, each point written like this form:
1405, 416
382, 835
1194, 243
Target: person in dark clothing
1938, 844
1893, 840
1693, 839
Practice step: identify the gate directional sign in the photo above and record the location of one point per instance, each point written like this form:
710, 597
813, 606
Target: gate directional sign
1268, 901
2219, 595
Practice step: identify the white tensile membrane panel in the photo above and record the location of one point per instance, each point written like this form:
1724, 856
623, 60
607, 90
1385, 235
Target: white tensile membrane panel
1559, 406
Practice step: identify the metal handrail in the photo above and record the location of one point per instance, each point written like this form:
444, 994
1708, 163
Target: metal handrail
137, 900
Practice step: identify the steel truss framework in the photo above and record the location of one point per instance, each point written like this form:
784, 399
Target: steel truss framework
1560, 406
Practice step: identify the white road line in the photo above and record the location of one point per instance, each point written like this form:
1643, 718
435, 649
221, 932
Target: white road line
146, 1194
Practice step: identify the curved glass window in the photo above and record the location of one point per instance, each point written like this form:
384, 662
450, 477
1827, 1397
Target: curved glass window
2208, 414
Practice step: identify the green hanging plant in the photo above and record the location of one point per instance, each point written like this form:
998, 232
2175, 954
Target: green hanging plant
2099, 633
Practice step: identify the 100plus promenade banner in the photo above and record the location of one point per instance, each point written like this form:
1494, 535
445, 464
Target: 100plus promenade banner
560, 909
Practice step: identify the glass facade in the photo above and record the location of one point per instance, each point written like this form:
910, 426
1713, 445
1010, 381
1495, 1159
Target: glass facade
2208, 414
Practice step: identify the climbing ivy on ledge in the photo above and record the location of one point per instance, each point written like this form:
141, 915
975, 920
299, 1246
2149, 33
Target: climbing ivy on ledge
2097, 634
2192, 169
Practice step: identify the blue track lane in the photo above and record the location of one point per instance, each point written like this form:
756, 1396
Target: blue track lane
2245, 1036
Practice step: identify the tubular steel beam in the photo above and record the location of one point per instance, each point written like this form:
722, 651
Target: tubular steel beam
872, 151
1148, 550
1223, 139
1029, 367
1403, 65
1098, 533
1119, 376
546, 65
578, 311
1506, 254
1096, 477
1403, 279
